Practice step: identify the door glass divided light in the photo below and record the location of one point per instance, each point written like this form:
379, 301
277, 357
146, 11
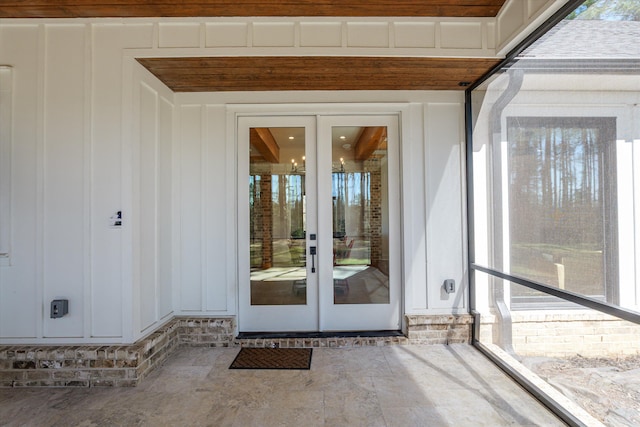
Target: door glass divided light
360, 219
278, 224
277, 216
319, 215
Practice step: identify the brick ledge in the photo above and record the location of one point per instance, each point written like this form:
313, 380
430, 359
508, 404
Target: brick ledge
127, 365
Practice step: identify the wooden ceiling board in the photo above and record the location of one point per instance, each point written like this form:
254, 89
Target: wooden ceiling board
231, 8
223, 74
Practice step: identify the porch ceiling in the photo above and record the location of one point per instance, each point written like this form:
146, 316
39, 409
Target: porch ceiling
219, 8
278, 73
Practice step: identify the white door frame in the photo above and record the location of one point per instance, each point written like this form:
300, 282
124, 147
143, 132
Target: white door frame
370, 114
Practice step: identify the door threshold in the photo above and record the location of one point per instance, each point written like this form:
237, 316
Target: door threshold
307, 335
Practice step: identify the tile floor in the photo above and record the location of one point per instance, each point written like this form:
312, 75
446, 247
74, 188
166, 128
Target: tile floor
402, 385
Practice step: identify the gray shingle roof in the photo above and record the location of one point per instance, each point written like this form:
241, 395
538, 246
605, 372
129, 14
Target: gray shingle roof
589, 39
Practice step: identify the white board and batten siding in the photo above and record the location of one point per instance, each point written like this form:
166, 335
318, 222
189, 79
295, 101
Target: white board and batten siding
88, 132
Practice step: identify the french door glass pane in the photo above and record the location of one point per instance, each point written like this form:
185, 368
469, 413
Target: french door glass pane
277, 216
360, 215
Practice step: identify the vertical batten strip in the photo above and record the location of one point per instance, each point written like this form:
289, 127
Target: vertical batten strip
6, 107
231, 217
176, 212
88, 179
204, 198
250, 35
155, 43
391, 35
203, 35
40, 185
146, 187
191, 208
165, 222
154, 237
128, 220
215, 235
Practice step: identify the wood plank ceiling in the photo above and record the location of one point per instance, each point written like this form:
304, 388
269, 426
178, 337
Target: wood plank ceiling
219, 8
222, 74
209, 74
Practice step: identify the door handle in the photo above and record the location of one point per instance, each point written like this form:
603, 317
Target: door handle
312, 252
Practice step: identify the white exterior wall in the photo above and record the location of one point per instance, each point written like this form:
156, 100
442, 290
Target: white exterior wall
92, 133
433, 191
73, 165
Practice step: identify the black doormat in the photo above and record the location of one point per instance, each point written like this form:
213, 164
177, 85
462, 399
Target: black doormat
272, 358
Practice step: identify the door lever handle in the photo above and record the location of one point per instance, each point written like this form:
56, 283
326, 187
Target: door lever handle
312, 252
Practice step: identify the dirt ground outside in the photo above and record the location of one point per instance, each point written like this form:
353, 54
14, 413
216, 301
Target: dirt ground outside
607, 388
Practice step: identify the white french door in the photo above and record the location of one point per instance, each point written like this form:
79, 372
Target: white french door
319, 223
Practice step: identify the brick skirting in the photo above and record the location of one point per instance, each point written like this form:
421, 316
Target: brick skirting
439, 329
565, 333
86, 365
127, 365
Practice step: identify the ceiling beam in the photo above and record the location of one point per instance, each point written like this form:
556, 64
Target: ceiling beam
371, 138
263, 141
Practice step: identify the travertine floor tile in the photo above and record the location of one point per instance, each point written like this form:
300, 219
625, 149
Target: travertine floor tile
359, 415
368, 386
